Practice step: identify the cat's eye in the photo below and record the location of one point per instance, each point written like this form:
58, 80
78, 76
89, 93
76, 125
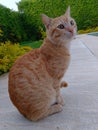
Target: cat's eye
61, 26
72, 22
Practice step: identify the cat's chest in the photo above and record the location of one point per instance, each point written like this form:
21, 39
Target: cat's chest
60, 63
57, 65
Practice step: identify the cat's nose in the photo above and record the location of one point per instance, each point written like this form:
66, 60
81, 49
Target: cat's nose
69, 30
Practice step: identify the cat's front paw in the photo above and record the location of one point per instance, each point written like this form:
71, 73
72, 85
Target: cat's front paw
63, 84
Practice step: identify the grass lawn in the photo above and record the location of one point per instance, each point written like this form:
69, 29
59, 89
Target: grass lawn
33, 44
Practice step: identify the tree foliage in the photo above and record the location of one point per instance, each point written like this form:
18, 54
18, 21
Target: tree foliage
85, 12
9, 25
26, 24
33, 10
15, 26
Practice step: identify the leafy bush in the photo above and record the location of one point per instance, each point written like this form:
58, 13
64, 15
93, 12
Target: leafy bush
14, 26
1, 33
34, 44
10, 25
26, 24
88, 30
84, 12
34, 8
9, 53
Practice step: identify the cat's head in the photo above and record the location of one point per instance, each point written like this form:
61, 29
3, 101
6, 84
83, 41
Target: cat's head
60, 29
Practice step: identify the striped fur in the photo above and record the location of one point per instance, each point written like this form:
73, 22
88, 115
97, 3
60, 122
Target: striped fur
35, 78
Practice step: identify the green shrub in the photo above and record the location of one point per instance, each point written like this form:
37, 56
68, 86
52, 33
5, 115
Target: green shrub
26, 24
85, 12
9, 53
96, 29
34, 44
1, 32
88, 30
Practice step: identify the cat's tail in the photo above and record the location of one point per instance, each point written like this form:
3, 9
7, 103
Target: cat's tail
63, 84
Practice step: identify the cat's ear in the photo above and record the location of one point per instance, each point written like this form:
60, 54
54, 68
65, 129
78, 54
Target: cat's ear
46, 20
67, 13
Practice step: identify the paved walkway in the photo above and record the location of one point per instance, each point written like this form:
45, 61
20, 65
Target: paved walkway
81, 97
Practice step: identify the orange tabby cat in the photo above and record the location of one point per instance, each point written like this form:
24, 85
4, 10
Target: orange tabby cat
35, 78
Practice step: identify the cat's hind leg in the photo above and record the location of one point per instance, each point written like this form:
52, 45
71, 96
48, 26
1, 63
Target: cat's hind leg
54, 109
40, 114
60, 100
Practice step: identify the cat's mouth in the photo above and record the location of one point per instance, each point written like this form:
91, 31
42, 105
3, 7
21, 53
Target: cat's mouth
69, 33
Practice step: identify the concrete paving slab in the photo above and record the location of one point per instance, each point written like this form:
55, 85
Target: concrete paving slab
81, 97
91, 42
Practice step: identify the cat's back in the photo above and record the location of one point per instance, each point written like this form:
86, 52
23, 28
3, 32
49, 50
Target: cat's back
24, 62
30, 84
27, 69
